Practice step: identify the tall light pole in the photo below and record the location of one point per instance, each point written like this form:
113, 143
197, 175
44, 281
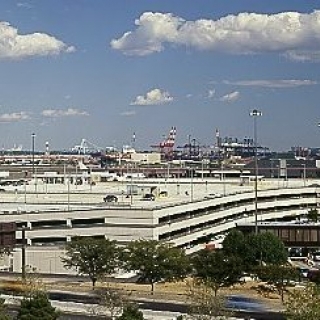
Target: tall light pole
33, 135
255, 114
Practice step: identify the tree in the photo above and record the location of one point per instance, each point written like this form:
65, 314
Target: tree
254, 249
304, 304
313, 215
216, 269
204, 304
111, 300
92, 257
279, 276
155, 261
272, 249
131, 312
234, 243
37, 307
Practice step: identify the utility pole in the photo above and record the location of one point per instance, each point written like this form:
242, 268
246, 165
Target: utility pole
23, 254
33, 135
255, 113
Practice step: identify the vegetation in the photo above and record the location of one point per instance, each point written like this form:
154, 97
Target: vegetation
110, 300
304, 304
313, 215
255, 249
37, 307
205, 304
3, 311
131, 312
215, 269
92, 257
279, 276
155, 261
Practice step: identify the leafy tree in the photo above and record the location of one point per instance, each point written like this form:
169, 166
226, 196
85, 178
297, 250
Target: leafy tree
234, 243
131, 312
279, 276
92, 257
254, 249
304, 304
313, 215
37, 307
155, 261
216, 269
271, 248
204, 304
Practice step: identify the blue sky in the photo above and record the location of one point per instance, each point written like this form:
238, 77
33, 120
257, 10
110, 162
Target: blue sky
102, 70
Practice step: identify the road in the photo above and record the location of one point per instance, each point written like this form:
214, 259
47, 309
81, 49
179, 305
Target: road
160, 306
77, 306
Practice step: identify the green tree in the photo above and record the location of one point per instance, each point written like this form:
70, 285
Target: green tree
216, 269
92, 257
271, 249
234, 244
281, 276
313, 215
155, 261
304, 304
37, 307
254, 249
131, 312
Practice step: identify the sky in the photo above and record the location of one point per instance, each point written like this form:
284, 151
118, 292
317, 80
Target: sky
107, 71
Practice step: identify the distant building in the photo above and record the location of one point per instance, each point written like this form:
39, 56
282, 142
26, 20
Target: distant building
146, 158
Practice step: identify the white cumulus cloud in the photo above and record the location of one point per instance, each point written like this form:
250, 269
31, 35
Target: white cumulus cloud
231, 97
15, 46
14, 117
291, 33
55, 113
153, 97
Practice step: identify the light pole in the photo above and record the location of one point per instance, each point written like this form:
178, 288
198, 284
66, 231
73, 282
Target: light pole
255, 114
33, 135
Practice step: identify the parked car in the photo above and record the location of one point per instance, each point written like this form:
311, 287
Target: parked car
110, 198
149, 197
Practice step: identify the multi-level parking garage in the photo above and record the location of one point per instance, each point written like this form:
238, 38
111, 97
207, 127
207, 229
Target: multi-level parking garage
190, 216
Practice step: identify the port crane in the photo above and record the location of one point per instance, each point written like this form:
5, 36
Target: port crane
166, 146
85, 146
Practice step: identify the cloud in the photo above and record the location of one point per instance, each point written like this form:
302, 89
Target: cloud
230, 97
273, 83
211, 93
303, 55
291, 33
128, 113
153, 97
24, 5
14, 117
16, 46
70, 112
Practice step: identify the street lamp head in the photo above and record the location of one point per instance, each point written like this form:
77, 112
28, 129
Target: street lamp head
255, 113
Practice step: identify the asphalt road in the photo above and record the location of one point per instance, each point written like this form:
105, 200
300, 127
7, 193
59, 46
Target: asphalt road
155, 306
